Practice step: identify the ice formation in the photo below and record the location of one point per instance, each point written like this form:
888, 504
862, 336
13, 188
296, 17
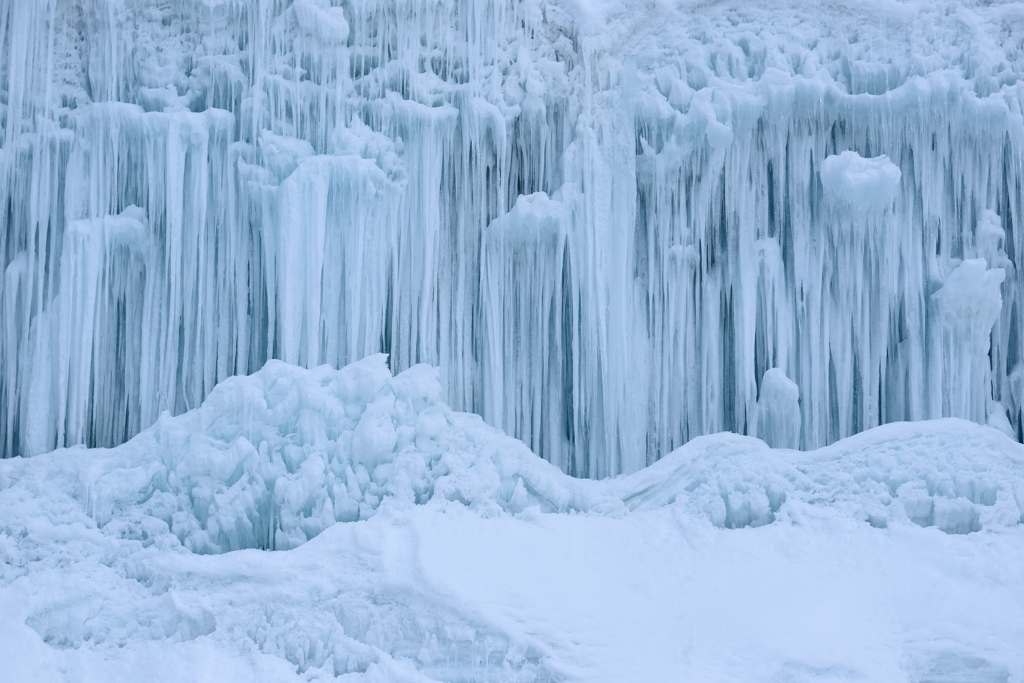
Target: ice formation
272, 459
778, 410
603, 222
426, 545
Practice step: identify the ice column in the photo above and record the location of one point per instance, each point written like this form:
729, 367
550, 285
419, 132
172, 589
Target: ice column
969, 303
527, 301
860, 270
778, 410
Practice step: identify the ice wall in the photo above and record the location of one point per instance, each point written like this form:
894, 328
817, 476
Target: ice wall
604, 222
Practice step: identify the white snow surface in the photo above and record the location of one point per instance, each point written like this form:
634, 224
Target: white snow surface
699, 192
426, 545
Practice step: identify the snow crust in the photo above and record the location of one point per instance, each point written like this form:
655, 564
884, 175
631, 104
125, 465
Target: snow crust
736, 189
434, 547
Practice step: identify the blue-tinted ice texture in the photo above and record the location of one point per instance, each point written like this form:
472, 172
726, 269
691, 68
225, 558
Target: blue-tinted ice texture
271, 460
415, 543
603, 221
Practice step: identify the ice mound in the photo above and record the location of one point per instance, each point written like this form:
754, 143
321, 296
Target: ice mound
950, 474
270, 460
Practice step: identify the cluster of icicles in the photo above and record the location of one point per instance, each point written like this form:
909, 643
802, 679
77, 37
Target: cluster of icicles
604, 260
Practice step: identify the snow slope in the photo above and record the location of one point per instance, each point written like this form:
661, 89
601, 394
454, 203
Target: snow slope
426, 545
723, 190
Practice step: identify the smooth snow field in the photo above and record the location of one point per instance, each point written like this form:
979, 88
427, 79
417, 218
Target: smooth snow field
424, 545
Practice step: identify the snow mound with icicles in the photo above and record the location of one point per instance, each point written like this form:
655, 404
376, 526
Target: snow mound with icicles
271, 460
949, 474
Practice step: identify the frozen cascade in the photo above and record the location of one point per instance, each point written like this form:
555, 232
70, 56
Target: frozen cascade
604, 222
778, 410
969, 304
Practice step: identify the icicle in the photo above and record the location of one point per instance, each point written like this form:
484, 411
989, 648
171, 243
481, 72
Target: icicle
604, 256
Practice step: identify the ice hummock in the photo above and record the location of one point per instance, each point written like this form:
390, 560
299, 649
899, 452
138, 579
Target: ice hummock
271, 460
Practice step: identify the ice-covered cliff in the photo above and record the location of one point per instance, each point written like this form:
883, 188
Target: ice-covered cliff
604, 221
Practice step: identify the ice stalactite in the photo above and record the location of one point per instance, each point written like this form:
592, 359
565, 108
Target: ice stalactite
613, 227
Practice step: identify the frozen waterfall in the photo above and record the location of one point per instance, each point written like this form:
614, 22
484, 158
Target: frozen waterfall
612, 234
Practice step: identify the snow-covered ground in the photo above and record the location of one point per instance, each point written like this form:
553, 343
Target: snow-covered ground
426, 545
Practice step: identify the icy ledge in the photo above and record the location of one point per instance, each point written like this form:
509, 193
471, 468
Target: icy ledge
271, 460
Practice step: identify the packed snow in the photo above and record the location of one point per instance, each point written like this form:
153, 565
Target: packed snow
604, 220
427, 545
